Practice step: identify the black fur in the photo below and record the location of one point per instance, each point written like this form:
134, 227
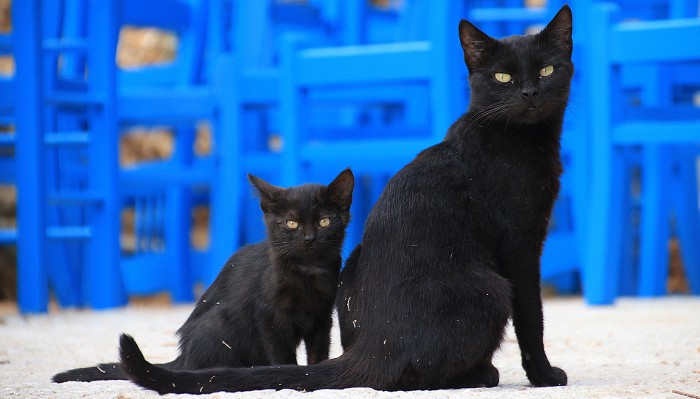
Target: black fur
452, 248
268, 296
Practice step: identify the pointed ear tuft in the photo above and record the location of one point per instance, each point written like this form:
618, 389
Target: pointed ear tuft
475, 43
560, 28
339, 191
270, 195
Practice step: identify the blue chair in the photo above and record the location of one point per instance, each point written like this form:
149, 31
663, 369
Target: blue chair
250, 33
27, 169
659, 125
78, 119
361, 77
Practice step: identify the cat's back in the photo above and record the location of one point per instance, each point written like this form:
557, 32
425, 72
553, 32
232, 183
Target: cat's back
431, 209
238, 278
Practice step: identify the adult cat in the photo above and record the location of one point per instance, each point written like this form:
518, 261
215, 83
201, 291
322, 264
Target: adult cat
270, 295
451, 249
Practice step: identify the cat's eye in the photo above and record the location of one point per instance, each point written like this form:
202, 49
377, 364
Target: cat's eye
546, 71
325, 222
503, 77
292, 224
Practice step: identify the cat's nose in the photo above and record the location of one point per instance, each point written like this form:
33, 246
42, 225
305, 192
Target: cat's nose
309, 238
529, 92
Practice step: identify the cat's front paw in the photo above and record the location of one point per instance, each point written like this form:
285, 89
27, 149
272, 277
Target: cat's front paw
551, 377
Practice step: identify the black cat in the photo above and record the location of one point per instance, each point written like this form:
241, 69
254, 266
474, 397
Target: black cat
271, 295
452, 248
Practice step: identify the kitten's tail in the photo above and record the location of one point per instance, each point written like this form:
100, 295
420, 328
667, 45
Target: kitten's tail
330, 374
101, 372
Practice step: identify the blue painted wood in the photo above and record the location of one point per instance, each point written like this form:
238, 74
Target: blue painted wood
32, 274
658, 126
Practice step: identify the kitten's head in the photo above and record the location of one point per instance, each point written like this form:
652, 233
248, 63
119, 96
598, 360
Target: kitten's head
520, 79
309, 220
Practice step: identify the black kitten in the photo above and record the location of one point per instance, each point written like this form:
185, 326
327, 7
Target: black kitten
452, 248
271, 295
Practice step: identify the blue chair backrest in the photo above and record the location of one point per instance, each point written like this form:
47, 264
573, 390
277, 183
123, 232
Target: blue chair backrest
186, 19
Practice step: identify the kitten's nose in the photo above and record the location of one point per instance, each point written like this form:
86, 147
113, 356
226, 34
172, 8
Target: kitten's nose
529, 92
309, 238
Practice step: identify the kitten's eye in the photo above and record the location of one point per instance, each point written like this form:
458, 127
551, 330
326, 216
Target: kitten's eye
546, 71
292, 224
325, 222
503, 77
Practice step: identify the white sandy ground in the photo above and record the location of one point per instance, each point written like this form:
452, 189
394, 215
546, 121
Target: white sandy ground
635, 349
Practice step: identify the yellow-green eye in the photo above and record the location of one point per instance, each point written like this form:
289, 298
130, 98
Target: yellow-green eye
325, 222
292, 224
503, 77
546, 71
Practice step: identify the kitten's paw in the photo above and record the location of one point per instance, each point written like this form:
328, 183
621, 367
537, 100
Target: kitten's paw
554, 376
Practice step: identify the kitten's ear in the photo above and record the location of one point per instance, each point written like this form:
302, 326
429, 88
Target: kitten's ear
559, 29
475, 43
270, 195
339, 191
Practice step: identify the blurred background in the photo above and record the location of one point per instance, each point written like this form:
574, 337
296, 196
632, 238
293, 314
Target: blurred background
127, 129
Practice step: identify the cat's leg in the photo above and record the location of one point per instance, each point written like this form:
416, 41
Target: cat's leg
523, 267
318, 341
279, 342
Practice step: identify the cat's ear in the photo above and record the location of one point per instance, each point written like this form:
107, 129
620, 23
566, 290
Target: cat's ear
475, 43
559, 30
270, 195
339, 191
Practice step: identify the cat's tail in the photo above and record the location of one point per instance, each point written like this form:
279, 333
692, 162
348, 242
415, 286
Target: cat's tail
101, 372
330, 374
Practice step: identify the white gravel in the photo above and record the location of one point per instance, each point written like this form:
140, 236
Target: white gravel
635, 349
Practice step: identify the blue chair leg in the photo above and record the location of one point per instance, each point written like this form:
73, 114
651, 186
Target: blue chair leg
653, 272
688, 217
32, 277
630, 234
102, 281
181, 284
226, 192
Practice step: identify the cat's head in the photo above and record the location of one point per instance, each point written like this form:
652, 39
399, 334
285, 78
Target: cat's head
520, 79
308, 220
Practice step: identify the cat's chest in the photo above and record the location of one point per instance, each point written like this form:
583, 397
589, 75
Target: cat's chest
522, 186
302, 293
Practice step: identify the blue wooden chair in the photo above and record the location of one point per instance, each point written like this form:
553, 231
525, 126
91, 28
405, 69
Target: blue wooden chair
77, 122
659, 125
250, 33
27, 169
416, 70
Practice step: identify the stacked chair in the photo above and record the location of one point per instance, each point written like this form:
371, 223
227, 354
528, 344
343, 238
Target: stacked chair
74, 112
295, 92
660, 127
250, 32
395, 88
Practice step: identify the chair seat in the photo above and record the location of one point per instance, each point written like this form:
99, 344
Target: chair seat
651, 41
647, 132
163, 104
349, 64
166, 174
365, 156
